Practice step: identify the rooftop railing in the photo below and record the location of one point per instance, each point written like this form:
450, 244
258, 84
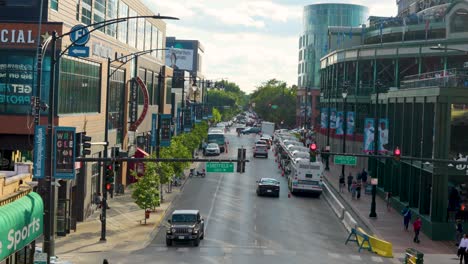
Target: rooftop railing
444, 78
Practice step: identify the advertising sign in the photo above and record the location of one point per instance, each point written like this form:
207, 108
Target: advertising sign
21, 222
187, 120
165, 130
333, 118
64, 152
133, 108
339, 123
369, 135
39, 152
350, 123
144, 91
154, 122
324, 118
180, 59
383, 135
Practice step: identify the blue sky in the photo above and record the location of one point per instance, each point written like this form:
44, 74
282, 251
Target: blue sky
247, 41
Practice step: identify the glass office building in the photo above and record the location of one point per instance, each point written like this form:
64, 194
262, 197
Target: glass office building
313, 43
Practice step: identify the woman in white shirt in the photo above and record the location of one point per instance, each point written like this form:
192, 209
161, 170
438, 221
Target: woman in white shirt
462, 249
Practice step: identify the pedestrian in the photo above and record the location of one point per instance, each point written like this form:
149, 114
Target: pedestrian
105, 261
387, 198
406, 212
353, 189
462, 253
350, 181
417, 228
342, 184
364, 177
358, 190
458, 231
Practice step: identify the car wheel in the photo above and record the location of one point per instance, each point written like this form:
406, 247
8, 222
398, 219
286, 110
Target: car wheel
277, 195
202, 236
168, 242
266, 156
196, 242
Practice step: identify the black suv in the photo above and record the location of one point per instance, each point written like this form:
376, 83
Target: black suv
185, 225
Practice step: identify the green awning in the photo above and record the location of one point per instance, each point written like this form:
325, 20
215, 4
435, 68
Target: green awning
21, 222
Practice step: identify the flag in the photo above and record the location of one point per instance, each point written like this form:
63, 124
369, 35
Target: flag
426, 28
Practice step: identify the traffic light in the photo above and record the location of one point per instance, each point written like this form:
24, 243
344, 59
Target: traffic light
86, 144
396, 154
109, 176
313, 152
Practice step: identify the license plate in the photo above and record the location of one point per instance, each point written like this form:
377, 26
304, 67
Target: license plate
181, 237
268, 190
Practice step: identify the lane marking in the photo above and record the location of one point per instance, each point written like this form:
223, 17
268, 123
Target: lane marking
355, 257
269, 252
333, 255
182, 250
255, 228
208, 217
377, 259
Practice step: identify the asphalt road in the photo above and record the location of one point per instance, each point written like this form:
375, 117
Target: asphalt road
243, 228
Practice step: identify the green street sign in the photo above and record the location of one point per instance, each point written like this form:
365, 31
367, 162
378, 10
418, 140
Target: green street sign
345, 160
219, 167
274, 106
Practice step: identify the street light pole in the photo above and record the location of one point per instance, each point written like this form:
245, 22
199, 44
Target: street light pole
345, 114
373, 212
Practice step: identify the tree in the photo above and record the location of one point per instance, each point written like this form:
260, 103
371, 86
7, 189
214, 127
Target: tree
146, 190
216, 116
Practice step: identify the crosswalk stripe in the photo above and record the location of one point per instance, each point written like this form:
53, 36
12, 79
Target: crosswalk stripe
333, 255
268, 252
182, 250
227, 250
355, 257
247, 251
377, 259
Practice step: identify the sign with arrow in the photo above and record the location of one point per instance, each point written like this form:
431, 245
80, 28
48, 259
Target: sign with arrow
78, 51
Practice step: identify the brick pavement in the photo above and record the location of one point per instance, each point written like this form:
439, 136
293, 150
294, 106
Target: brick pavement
389, 223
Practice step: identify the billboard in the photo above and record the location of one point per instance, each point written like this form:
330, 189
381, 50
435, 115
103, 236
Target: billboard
350, 124
339, 123
64, 152
180, 59
333, 118
324, 118
369, 134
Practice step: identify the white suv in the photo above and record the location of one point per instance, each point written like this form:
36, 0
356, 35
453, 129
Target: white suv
260, 150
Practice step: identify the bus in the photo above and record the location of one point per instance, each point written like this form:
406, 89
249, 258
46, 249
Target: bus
305, 176
217, 136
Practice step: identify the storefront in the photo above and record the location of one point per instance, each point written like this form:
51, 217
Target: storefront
21, 222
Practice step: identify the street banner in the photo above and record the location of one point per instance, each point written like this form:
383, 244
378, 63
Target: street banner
350, 124
178, 121
39, 152
324, 118
187, 119
333, 118
64, 153
339, 123
154, 123
383, 135
368, 135
165, 130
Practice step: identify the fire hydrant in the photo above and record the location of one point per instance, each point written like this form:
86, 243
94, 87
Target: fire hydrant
147, 214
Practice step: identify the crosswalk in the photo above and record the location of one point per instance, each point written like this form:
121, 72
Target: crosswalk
206, 251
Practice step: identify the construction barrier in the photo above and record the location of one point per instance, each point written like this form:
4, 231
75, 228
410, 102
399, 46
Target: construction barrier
334, 203
379, 246
349, 222
361, 239
413, 256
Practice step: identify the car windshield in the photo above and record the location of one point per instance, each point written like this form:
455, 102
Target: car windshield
184, 218
268, 181
212, 145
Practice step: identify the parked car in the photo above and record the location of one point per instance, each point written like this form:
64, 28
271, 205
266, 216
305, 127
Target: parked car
185, 225
251, 130
268, 186
212, 149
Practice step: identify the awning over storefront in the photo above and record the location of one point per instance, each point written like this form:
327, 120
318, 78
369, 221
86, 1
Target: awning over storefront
21, 222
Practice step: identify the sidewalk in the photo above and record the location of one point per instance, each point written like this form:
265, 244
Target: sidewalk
125, 228
389, 224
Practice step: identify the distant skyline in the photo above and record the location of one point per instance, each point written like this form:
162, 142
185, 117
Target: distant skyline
247, 41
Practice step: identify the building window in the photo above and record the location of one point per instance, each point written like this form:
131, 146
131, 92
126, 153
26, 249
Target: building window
132, 29
160, 45
116, 102
154, 41
148, 31
122, 26
99, 12
86, 12
111, 14
54, 5
459, 21
141, 34
77, 10
79, 90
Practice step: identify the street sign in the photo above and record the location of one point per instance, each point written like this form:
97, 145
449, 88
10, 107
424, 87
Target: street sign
78, 51
219, 167
39, 152
274, 107
79, 35
40, 258
345, 160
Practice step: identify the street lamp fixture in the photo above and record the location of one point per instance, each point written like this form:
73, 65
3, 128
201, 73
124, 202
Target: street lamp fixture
49, 205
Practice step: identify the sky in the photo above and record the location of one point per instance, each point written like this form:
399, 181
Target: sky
247, 41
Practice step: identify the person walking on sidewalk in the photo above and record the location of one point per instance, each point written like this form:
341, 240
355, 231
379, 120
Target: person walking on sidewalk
353, 189
358, 189
364, 178
462, 254
417, 228
350, 181
342, 184
458, 231
406, 212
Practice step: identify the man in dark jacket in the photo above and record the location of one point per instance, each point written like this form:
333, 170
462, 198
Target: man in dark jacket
350, 181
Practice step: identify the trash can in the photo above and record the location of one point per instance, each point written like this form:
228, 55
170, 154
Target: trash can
413, 256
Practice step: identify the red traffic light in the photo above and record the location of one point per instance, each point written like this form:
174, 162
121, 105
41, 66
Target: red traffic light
108, 186
109, 167
397, 152
313, 147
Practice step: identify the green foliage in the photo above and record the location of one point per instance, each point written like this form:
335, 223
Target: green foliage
146, 189
275, 92
229, 99
216, 116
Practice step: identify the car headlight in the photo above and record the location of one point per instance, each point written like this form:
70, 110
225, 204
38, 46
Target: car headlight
168, 231
173, 230
195, 231
190, 230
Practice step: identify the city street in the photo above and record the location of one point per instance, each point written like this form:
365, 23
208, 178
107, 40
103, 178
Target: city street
243, 228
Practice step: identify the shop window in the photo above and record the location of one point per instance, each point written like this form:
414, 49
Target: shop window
459, 21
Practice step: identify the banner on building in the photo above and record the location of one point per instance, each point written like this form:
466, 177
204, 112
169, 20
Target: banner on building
324, 118
64, 152
187, 119
333, 117
383, 135
180, 59
39, 152
154, 131
165, 121
339, 123
369, 135
350, 123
